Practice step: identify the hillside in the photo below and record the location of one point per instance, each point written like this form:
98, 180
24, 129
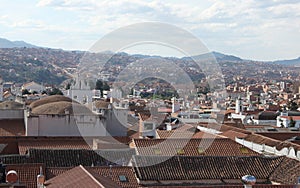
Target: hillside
4, 43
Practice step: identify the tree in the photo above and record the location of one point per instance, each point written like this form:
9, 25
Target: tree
99, 85
68, 86
106, 86
25, 92
102, 86
292, 122
55, 91
293, 105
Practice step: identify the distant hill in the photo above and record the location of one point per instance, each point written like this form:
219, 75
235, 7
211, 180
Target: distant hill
293, 62
4, 43
219, 57
224, 57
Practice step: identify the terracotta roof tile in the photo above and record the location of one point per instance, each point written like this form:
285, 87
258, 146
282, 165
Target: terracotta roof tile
112, 173
51, 172
192, 147
57, 143
12, 127
189, 169
59, 158
115, 172
260, 139
287, 172
232, 134
27, 173
80, 177
280, 135
117, 156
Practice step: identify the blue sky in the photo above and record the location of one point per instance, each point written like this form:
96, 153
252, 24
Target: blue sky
251, 29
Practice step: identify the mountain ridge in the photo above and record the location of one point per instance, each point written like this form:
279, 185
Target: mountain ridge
5, 43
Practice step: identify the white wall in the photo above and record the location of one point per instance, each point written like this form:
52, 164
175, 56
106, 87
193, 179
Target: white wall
262, 148
264, 122
64, 125
114, 123
286, 122
11, 114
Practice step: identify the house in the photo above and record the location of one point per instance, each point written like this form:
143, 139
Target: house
33, 87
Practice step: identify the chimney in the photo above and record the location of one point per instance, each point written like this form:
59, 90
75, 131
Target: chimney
40, 179
248, 181
12, 177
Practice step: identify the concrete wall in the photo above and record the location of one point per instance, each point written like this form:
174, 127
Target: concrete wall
64, 125
116, 121
11, 114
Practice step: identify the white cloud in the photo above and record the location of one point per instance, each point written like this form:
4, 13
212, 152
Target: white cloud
227, 25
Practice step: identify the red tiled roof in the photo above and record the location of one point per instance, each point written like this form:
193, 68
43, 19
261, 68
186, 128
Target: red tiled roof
51, 172
80, 177
114, 172
232, 134
192, 147
296, 118
185, 131
287, 172
10, 127
27, 173
188, 170
57, 143
260, 139
280, 135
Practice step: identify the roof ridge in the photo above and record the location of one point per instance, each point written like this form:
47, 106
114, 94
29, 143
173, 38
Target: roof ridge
91, 176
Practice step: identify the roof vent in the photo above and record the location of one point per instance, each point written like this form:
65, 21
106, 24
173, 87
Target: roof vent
248, 181
40, 179
12, 177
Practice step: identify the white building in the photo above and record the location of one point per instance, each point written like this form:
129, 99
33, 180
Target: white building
59, 116
33, 86
81, 92
285, 121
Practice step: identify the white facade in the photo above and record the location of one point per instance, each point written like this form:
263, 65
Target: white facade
81, 92
32, 86
269, 150
263, 122
81, 96
113, 123
11, 114
66, 125
284, 121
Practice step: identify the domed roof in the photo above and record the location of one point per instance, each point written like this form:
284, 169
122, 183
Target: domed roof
267, 115
11, 105
49, 99
61, 108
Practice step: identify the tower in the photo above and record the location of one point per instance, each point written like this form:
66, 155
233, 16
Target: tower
238, 105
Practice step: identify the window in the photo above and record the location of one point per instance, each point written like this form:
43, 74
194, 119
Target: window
157, 151
244, 150
123, 178
200, 150
148, 126
180, 151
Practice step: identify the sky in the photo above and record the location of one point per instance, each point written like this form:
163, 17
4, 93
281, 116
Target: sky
251, 29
